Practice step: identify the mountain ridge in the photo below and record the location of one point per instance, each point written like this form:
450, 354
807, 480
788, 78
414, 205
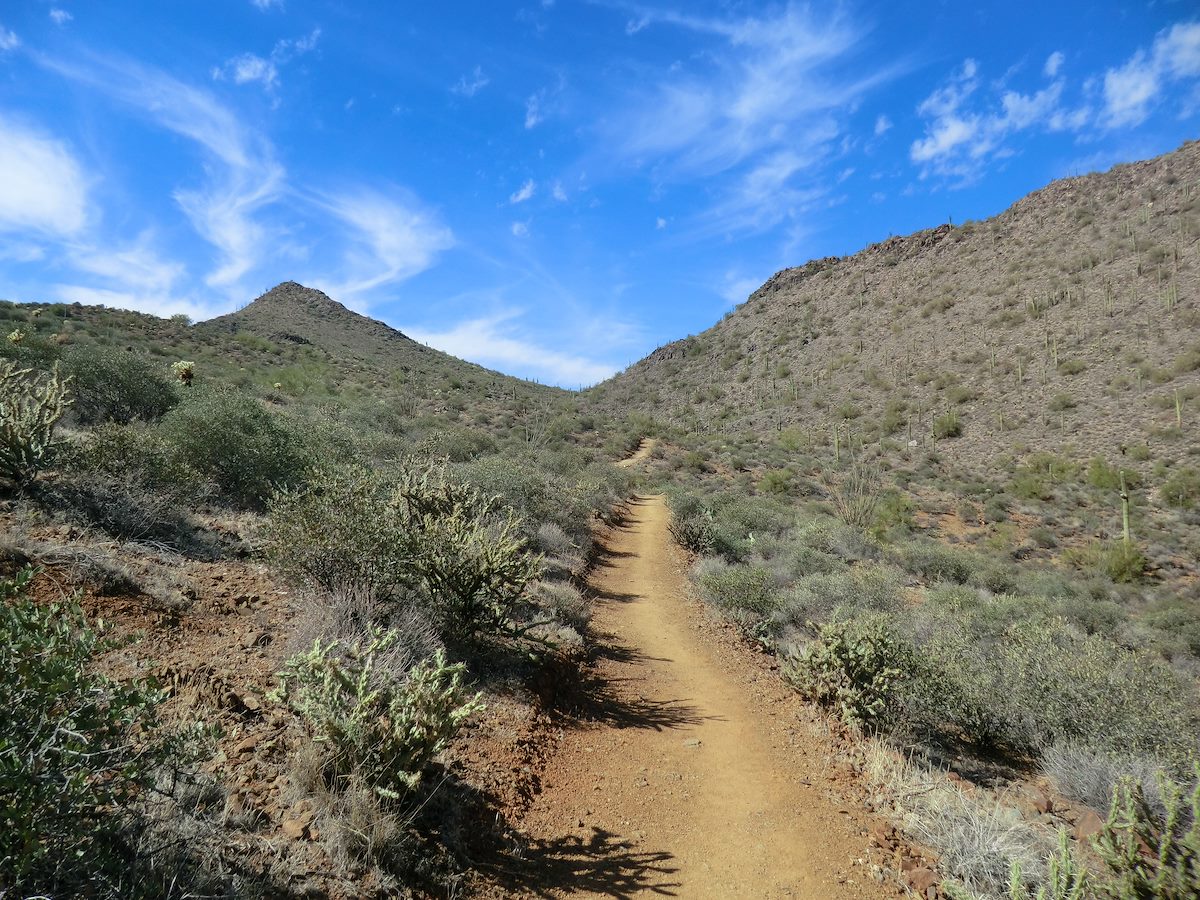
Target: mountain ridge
992, 321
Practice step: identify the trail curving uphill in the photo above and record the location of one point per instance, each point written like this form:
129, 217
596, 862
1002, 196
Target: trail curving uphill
690, 773
642, 453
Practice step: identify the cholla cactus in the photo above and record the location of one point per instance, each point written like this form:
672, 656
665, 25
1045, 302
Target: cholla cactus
376, 725
16, 336
31, 404
185, 371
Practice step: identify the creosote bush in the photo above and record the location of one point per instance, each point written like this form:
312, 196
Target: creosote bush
232, 440
117, 386
748, 589
375, 725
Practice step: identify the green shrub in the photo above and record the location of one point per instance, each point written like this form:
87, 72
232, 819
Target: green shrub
1042, 683
457, 445
236, 443
76, 749
1120, 562
959, 393
342, 531
31, 403
896, 511
127, 480
1061, 403
853, 668
776, 481
1104, 477
823, 597
375, 724
740, 589
1072, 367
934, 562
117, 386
948, 425
1182, 489
411, 528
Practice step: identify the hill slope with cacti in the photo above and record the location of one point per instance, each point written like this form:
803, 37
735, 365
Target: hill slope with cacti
1070, 320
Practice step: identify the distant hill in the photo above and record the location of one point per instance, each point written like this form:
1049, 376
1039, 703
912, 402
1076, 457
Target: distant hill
1069, 321
296, 345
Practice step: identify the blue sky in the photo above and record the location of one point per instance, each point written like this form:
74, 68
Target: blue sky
555, 187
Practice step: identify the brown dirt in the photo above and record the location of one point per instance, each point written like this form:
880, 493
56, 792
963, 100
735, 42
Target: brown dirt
691, 772
645, 448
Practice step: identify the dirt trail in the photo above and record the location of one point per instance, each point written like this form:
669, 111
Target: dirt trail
645, 448
690, 773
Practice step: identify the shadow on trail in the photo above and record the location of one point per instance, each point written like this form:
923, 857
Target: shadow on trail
615, 701
602, 863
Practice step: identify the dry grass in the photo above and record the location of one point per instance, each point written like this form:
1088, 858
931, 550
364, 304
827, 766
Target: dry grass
976, 835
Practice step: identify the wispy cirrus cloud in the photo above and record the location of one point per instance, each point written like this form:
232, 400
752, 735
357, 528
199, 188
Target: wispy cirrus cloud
963, 133
472, 84
498, 341
8, 39
131, 275
756, 114
392, 237
46, 200
524, 192
242, 173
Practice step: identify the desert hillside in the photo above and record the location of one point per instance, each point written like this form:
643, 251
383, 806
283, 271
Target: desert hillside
1071, 321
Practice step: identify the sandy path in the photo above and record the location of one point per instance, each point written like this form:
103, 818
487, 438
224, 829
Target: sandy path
645, 448
690, 774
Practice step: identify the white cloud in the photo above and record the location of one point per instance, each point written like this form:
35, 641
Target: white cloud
737, 288
469, 86
22, 251
559, 193
1133, 89
882, 125
42, 185
163, 306
60, 16
770, 89
136, 266
242, 173
962, 133
1053, 63
519, 229
265, 5
525, 192
660, 223
249, 68
393, 238
494, 341
533, 110
8, 40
